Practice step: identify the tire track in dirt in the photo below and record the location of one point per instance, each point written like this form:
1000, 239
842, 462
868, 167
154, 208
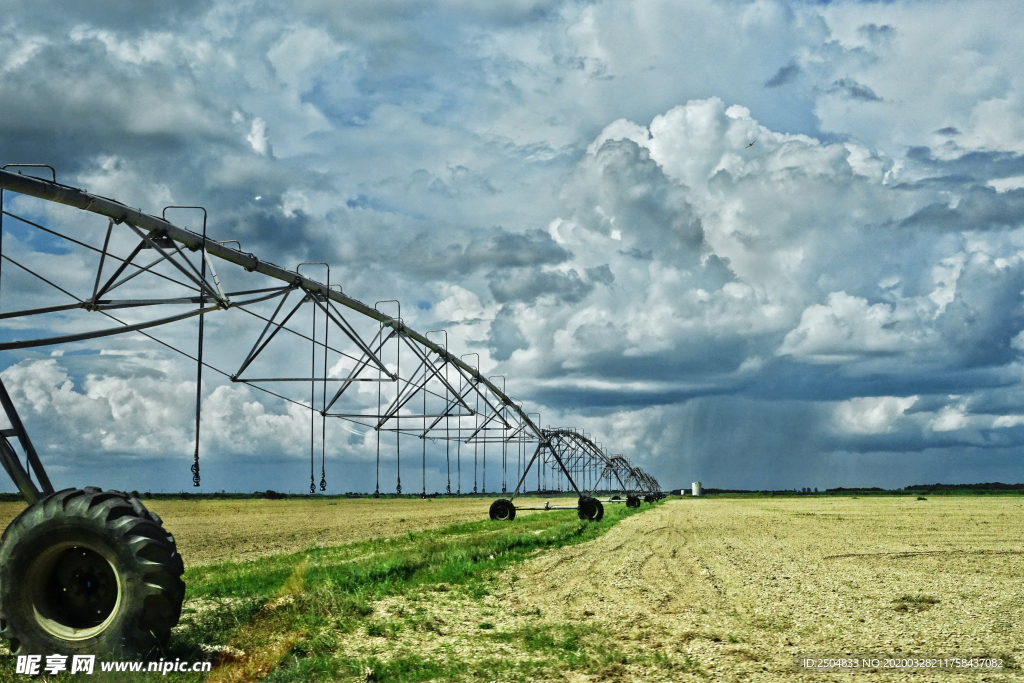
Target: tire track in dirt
719, 589
744, 586
629, 575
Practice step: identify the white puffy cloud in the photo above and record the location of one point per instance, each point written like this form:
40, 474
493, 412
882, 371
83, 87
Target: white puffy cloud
145, 412
847, 327
964, 80
872, 414
237, 422
136, 416
706, 240
300, 53
949, 419
257, 137
679, 240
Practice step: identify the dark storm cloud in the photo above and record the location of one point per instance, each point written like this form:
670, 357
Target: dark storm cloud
998, 400
381, 135
116, 14
639, 255
106, 104
597, 401
527, 285
421, 254
601, 274
912, 441
603, 379
854, 90
784, 380
876, 33
504, 336
785, 74
983, 208
504, 249
621, 188
505, 14
360, 17
281, 236
977, 167
985, 315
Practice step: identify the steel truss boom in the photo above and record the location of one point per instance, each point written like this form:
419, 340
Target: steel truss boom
120, 213
455, 401
587, 467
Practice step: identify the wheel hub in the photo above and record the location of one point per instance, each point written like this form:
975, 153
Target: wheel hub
75, 591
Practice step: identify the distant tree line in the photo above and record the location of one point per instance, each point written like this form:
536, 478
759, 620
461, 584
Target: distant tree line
953, 489
936, 488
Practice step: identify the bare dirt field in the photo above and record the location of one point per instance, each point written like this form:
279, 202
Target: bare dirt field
210, 531
695, 589
735, 589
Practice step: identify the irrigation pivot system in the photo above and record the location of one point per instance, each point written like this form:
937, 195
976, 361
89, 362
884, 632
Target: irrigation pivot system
84, 570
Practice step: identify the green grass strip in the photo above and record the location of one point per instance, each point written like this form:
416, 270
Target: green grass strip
223, 602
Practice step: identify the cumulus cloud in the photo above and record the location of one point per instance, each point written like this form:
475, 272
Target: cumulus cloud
785, 74
137, 416
847, 327
503, 249
850, 88
872, 414
257, 136
145, 412
525, 286
504, 337
784, 239
763, 265
980, 207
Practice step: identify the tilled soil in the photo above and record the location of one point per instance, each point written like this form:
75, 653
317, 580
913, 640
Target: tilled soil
695, 589
737, 589
211, 531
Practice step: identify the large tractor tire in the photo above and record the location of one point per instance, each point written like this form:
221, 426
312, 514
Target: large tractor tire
503, 510
632, 501
88, 572
590, 509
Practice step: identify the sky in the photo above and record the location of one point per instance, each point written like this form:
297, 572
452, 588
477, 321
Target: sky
762, 244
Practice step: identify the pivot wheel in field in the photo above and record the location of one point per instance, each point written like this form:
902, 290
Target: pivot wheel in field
632, 501
88, 571
503, 510
590, 509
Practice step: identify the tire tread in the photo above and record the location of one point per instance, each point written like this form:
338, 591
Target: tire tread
142, 532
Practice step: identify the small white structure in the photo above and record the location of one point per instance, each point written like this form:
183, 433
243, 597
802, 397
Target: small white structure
696, 488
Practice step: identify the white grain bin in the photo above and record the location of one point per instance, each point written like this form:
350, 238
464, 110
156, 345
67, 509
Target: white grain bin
696, 488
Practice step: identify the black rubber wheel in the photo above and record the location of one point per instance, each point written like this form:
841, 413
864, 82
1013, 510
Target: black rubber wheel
632, 501
648, 498
86, 571
503, 510
590, 509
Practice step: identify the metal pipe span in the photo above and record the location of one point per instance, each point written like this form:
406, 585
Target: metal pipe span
120, 213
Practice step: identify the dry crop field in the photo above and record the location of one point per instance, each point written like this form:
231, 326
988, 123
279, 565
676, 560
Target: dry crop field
211, 531
733, 589
693, 589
